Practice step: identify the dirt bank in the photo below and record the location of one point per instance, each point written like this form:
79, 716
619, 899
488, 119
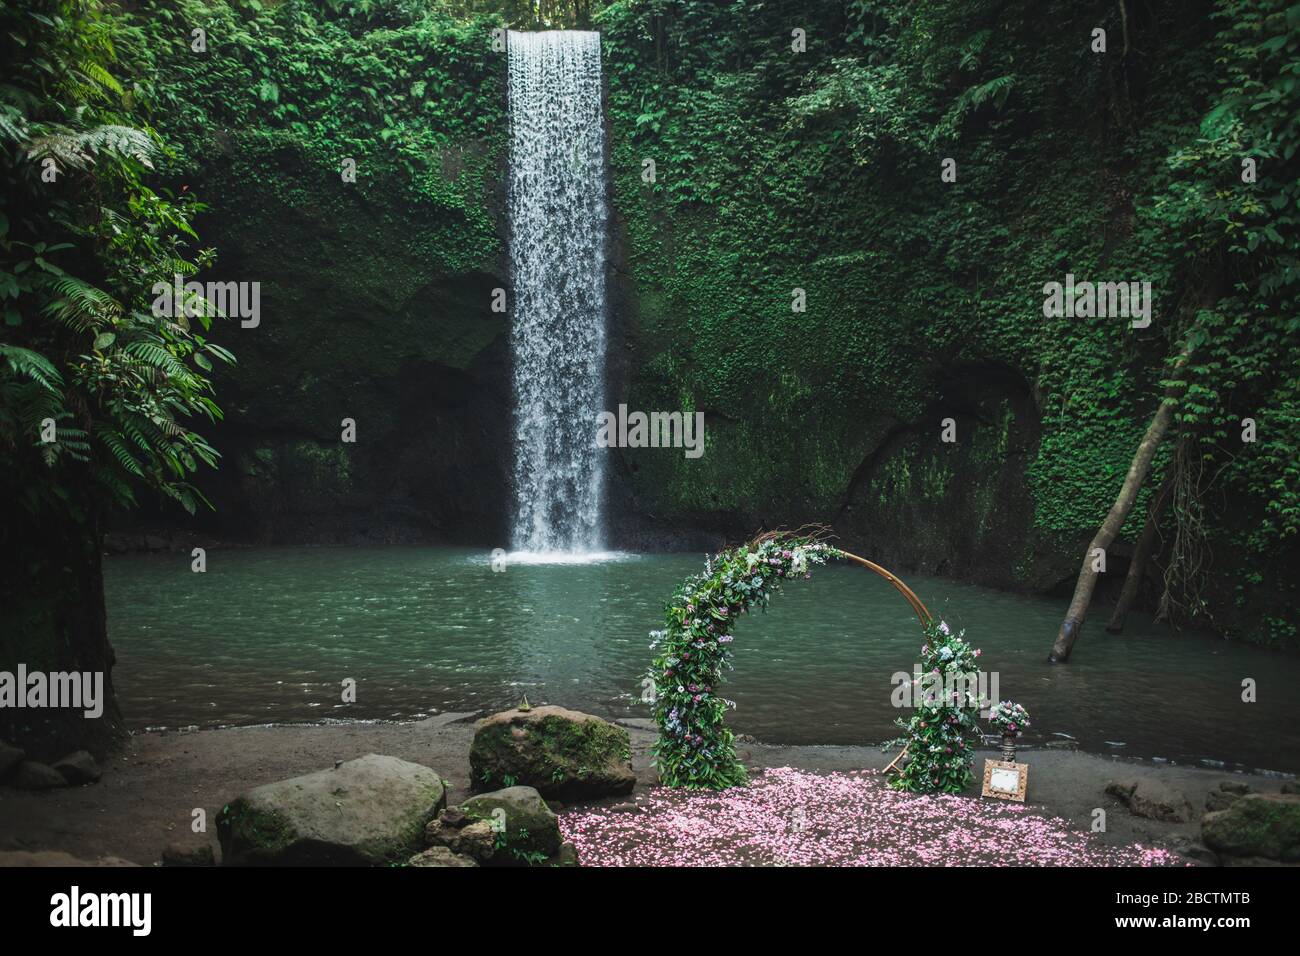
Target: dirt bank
150, 789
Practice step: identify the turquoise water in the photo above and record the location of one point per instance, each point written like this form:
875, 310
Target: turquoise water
269, 635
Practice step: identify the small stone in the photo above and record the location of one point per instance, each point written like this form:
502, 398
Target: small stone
461, 834
454, 817
1291, 786
79, 768
1217, 800
1239, 787
37, 776
1153, 799
176, 854
477, 840
440, 856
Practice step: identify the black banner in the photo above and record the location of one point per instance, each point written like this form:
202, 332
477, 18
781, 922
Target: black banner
306, 905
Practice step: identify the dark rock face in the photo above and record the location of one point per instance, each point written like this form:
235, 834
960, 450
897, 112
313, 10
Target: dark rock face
561, 753
378, 312
366, 812
901, 503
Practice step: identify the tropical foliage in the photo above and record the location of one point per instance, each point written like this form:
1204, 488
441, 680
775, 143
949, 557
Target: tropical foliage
97, 393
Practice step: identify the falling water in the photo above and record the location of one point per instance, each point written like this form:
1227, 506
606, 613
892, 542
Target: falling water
557, 250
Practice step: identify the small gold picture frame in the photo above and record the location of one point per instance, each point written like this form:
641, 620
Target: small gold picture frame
1005, 780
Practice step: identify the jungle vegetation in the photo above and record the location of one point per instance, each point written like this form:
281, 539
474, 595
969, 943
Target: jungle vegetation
1168, 156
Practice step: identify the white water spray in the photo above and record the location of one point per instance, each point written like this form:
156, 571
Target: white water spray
558, 219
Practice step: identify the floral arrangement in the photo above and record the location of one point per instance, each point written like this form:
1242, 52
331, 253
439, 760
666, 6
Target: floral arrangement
695, 749
942, 733
1009, 717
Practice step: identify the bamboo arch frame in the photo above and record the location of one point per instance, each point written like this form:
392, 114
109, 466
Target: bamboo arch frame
918, 608
922, 612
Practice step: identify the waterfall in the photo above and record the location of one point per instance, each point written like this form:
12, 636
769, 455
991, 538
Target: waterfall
557, 259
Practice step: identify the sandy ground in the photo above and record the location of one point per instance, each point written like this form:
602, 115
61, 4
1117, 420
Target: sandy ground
150, 789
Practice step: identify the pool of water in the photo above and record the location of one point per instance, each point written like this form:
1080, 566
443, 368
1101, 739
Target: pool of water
269, 635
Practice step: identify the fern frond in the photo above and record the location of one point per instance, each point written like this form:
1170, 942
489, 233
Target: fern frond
117, 445
32, 365
77, 149
80, 305
158, 357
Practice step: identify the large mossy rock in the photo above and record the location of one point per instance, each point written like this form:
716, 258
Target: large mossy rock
366, 812
563, 754
1257, 824
509, 827
527, 830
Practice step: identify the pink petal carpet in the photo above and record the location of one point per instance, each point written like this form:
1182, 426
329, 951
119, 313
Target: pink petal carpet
788, 817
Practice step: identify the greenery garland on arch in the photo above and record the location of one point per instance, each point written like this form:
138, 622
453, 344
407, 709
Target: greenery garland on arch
695, 749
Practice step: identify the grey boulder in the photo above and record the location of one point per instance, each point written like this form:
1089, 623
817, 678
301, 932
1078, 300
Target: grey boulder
366, 812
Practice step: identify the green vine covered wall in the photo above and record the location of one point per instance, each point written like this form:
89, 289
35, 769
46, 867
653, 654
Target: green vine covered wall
777, 170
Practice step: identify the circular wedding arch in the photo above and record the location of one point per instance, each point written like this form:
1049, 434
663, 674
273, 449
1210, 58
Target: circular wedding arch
694, 748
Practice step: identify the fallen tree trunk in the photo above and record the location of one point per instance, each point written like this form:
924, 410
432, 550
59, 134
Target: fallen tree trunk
1137, 473
1141, 553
